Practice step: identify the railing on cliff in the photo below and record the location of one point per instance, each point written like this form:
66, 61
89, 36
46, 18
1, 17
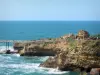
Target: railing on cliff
7, 42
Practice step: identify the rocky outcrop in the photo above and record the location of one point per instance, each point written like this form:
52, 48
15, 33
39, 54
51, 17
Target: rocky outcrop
68, 36
69, 52
18, 46
37, 51
82, 34
84, 55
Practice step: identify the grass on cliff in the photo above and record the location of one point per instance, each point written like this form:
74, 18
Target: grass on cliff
92, 46
72, 43
95, 36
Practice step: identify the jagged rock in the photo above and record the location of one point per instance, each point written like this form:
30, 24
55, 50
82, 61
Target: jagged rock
8, 52
82, 34
85, 56
50, 63
71, 54
18, 46
68, 36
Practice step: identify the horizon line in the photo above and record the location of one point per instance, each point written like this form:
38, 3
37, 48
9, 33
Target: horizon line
51, 20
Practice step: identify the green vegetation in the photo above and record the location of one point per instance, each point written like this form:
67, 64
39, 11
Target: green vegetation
72, 43
95, 36
45, 44
49, 38
70, 39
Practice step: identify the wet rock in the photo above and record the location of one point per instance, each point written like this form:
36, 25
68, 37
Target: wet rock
8, 52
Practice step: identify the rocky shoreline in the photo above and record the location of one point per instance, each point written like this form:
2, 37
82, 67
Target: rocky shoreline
67, 53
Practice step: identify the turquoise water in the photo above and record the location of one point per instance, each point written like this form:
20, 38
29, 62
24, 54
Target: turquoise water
16, 65
28, 30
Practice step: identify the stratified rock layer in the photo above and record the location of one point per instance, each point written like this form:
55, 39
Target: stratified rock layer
71, 52
82, 54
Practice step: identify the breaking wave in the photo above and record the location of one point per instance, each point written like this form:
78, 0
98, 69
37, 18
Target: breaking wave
3, 48
16, 65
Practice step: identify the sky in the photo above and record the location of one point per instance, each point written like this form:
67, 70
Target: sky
63, 10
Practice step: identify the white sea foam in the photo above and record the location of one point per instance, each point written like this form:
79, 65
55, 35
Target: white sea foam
17, 55
21, 66
3, 48
26, 67
31, 68
54, 71
44, 58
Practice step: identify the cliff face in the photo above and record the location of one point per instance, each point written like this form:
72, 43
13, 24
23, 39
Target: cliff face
53, 45
85, 53
18, 46
70, 52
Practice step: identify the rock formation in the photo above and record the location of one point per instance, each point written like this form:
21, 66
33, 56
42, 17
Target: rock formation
70, 53
82, 34
86, 56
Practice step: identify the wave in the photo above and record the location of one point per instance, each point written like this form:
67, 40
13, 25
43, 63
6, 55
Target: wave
13, 63
43, 58
5, 57
16, 55
54, 71
3, 48
21, 66
31, 68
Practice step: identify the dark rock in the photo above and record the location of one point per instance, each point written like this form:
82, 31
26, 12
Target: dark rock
50, 63
40, 53
8, 52
88, 69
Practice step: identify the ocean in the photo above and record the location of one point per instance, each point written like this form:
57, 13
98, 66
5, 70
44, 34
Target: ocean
32, 30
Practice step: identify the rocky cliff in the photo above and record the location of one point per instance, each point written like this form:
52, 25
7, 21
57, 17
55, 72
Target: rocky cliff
82, 54
71, 52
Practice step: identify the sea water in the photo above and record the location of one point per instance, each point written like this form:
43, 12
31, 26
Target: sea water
30, 30
14, 64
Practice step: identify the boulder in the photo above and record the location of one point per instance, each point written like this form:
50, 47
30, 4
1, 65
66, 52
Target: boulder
68, 36
82, 34
8, 52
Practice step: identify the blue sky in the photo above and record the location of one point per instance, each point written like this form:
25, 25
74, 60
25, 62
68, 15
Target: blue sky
50, 10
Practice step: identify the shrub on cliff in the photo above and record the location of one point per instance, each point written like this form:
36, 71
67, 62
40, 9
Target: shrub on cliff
96, 36
87, 55
72, 43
